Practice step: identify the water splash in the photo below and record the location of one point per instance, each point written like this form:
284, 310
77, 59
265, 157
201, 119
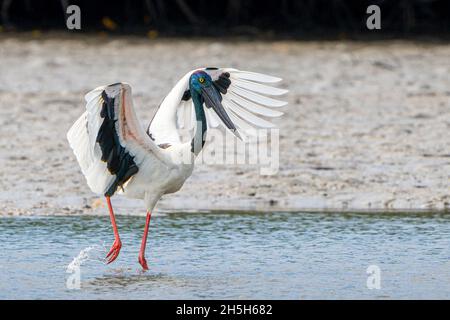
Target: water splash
84, 256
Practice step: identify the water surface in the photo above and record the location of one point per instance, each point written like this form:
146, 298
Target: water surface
230, 255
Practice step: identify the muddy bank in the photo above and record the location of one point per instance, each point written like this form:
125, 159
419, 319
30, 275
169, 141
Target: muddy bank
367, 126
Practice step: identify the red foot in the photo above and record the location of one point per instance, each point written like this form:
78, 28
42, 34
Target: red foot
143, 262
114, 251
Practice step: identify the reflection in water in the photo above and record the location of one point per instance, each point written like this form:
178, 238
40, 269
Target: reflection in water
230, 255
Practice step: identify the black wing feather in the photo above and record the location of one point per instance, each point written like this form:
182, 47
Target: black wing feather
119, 162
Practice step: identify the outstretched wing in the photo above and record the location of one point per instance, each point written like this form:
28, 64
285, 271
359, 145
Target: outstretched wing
246, 96
108, 140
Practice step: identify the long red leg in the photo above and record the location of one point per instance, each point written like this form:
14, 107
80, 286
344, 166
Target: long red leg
117, 245
142, 260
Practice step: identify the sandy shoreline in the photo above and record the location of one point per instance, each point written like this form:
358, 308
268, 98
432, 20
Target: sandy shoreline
367, 126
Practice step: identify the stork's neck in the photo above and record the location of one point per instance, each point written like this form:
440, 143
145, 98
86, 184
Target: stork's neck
198, 141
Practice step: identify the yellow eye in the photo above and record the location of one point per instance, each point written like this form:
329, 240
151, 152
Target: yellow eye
201, 80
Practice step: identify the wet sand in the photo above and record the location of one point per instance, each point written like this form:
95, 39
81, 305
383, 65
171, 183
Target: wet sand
367, 125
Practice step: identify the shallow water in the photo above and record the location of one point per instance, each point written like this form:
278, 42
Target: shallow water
230, 255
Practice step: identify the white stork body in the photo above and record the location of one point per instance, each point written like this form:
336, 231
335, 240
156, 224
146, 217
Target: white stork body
117, 155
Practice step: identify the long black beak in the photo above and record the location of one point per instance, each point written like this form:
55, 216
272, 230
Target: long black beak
213, 100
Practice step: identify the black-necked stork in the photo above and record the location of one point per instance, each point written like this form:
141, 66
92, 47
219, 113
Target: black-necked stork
117, 155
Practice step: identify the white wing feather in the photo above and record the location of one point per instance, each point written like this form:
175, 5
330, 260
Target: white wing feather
212, 118
88, 157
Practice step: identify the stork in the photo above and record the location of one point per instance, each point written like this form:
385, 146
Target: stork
118, 156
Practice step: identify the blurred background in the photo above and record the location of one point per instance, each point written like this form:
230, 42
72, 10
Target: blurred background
366, 126
286, 18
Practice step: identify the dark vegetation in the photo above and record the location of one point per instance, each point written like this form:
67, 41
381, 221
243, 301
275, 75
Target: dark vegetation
280, 18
